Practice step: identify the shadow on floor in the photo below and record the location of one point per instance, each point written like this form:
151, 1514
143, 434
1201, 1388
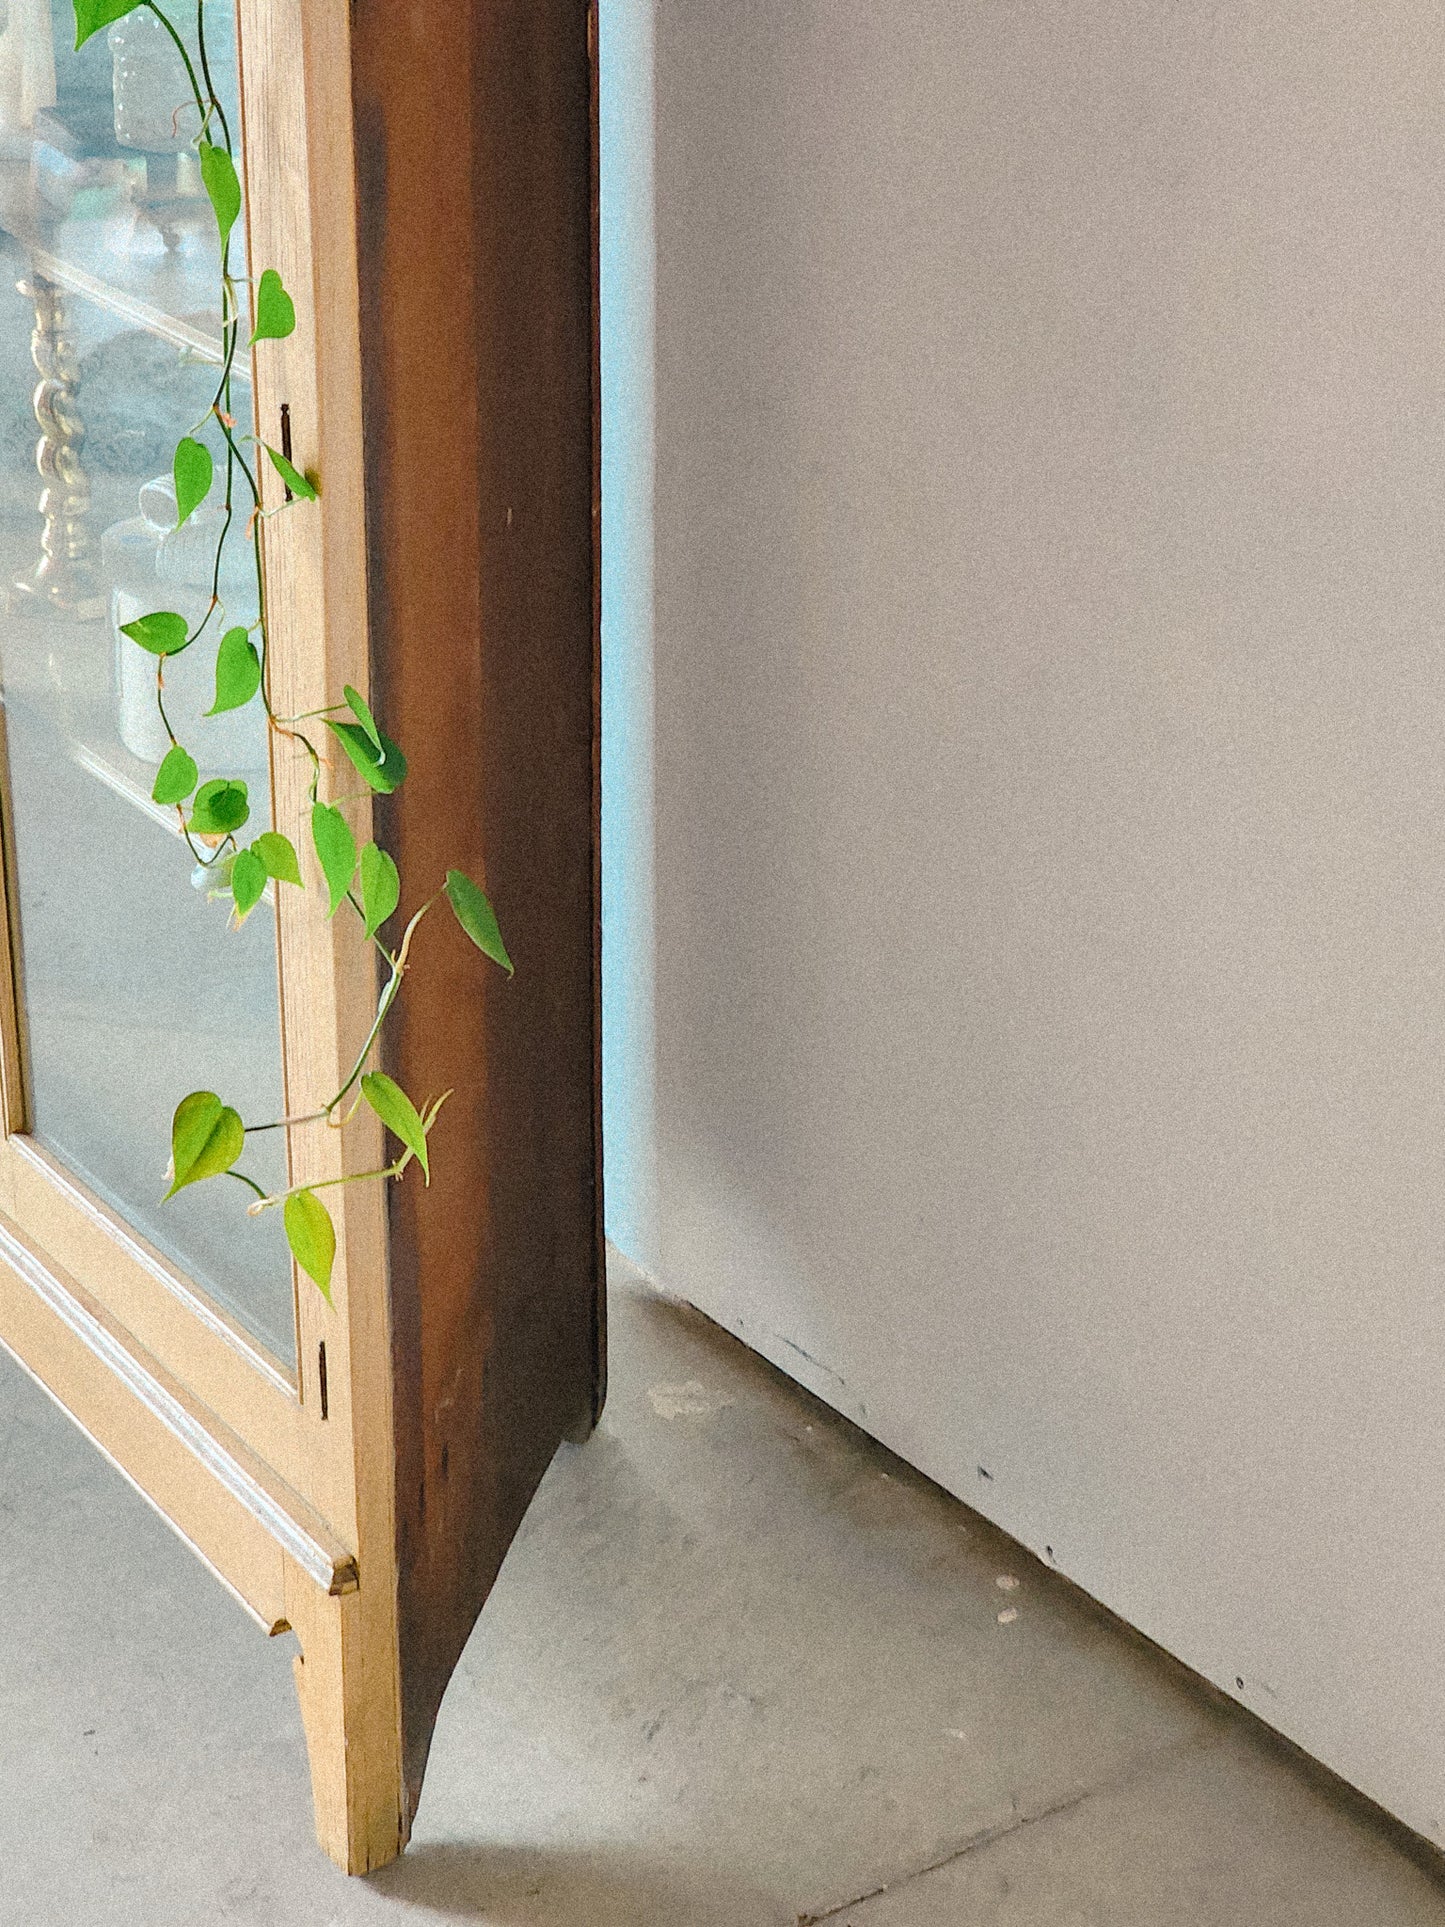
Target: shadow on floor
549, 1886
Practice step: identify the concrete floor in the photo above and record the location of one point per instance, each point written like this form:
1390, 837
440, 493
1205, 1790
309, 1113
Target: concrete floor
742, 1667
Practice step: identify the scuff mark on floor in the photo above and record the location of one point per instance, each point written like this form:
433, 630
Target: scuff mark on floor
689, 1400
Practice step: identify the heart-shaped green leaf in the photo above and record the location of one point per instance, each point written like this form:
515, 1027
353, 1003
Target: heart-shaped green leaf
384, 772
92, 15
238, 672
335, 851
275, 310
194, 472
380, 887
475, 914
312, 1238
278, 853
291, 475
162, 634
222, 185
248, 883
398, 1114
176, 777
207, 1137
357, 704
220, 808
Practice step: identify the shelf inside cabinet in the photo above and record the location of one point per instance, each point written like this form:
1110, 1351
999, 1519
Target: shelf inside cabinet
70, 699
164, 291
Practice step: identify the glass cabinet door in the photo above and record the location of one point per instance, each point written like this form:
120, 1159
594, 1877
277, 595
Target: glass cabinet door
352, 1458
134, 985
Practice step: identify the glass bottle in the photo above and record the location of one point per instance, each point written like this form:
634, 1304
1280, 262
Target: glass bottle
155, 112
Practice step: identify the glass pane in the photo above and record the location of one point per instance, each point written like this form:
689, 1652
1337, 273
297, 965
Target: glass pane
135, 988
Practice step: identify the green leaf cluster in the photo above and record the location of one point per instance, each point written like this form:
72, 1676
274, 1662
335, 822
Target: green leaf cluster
222, 185
398, 1114
162, 634
92, 15
335, 851
272, 857
275, 310
383, 771
207, 1135
238, 672
221, 807
380, 888
473, 909
248, 883
176, 777
312, 1238
195, 470
278, 854
298, 484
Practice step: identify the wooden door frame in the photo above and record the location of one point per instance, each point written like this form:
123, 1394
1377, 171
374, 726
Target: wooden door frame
468, 1332
287, 1496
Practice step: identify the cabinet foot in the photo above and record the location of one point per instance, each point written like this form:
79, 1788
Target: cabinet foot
581, 1428
346, 1683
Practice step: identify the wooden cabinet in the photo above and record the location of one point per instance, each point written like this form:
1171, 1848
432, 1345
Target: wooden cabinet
422, 179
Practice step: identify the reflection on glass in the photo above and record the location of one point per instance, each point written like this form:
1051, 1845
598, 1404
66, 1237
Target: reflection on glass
135, 990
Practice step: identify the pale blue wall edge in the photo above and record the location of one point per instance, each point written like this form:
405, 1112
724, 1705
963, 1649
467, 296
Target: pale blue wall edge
628, 285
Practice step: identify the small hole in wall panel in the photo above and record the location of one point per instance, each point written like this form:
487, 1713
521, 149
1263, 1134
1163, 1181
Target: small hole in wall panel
321, 1379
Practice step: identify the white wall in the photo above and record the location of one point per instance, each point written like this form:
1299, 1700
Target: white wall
1044, 1056
628, 219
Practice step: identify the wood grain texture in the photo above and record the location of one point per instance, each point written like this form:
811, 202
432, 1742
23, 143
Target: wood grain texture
221, 1498
156, 1303
300, 202
302, 212
474, 142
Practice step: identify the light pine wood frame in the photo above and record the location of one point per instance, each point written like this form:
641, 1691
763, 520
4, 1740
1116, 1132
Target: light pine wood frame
287, 1502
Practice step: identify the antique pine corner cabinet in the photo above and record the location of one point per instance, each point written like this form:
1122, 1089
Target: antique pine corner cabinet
422, 178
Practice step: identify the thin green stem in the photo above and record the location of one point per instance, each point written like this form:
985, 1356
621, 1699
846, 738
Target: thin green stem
330, 1184
230, 332
243, 471
161, 698
387, 999
372, 936
285, 1123
206, 70
250, 1183
224, 535
208, 859
181, 49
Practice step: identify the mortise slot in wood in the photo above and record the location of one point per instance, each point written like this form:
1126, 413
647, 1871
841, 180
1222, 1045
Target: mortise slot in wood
286, 440
321, 1380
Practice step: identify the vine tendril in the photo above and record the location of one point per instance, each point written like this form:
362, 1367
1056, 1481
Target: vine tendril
209, 1136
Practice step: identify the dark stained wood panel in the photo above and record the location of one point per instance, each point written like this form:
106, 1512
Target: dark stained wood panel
475, 133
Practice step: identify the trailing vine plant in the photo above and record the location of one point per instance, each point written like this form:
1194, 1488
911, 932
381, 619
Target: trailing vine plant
208, 1136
